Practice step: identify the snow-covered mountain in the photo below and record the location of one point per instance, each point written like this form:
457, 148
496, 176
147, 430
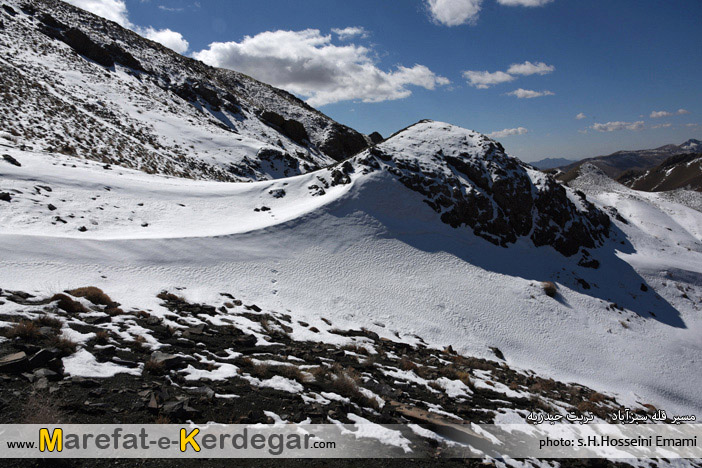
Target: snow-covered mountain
683, 171
78, 84
692, 146
434, 237
617, 164
370, 243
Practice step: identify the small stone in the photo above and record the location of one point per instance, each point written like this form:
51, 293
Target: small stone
169, 361
11, 160
14, 363
41, 384
45, 374
205, 392
51, 207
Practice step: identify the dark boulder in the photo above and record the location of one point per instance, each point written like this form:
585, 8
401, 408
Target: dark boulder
376, 138
9, 10
14, 363
288, 127
342, 142
52, 22
11, 160
123, 57
82, 44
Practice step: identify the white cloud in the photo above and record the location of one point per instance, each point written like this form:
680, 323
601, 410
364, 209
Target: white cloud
665, 125
529, 94
616, 126
485, 79
508, 132
170, 9
528, 68
113, 10
454, 12
116, 10
659, 114
351, 31
580, 116
171, 39
526, 3
309, 64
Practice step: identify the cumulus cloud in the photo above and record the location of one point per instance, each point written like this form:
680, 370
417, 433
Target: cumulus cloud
616, 126
352, 31
529, 94
528, 68
307, 63
508, 132
485, 79
665, 125
171, 39
580, 116
113, 10
116, 10
659, 114
526, 3
454, 12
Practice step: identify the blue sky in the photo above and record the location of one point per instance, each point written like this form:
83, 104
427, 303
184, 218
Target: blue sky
614, 62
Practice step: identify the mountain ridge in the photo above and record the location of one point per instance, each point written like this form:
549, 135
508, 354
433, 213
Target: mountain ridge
615, 164
150, 108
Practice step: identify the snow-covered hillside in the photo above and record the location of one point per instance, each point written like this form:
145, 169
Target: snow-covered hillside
80, 85
368, 243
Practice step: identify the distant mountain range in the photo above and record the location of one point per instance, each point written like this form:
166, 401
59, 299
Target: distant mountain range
676, 172
626, 164
552, 163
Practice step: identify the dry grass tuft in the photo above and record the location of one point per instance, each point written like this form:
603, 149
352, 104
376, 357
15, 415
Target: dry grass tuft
543, 386
46, 321
26, 330
453, 373
65, 345
550, 288
140, 343
102, 337
67, 304
407, 364
291, 372
154, 367
166, 296
93, 294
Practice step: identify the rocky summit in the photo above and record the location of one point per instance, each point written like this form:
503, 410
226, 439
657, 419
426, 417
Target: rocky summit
469, 180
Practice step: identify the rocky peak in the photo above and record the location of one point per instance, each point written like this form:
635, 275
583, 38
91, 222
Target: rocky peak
469, 180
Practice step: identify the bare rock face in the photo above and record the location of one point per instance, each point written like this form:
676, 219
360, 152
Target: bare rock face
289, 127
342, 142
376, 138
136, 85
470, 181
